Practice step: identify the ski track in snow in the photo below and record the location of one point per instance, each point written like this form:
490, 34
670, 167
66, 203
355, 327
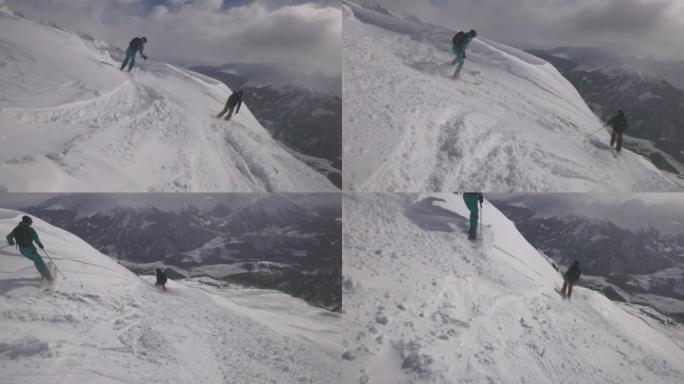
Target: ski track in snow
511, 123
422, 304
102, 324
73, 122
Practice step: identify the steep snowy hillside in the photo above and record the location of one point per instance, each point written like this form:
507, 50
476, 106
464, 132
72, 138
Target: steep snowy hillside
511, 123
424, 305
633, 244
71, 121
653, 104
102, 324
304, 114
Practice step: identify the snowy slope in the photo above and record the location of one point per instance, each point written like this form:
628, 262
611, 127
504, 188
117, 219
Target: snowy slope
102, 324
71, 121
512, 123
424, 305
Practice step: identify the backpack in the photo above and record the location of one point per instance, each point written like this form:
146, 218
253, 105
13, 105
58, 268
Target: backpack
459, 39
135, 44
161, 278
22, 234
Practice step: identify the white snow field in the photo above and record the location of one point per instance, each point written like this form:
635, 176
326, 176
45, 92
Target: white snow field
103, 324
71, 121
422, 304
511, 123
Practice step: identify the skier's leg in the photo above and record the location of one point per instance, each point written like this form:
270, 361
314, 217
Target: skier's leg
612, 138
565, 286
619, 142
459, 67
123, 65
474, 216
130, 66
225, 109
457, 52
32, 254
230, 113
570, 289
461, 62
471, 203
127, 59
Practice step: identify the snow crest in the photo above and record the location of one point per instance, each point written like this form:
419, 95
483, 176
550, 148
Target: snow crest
510, 123
422, 304
73, 122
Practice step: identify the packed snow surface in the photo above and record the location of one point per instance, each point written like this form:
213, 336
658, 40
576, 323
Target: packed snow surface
103, 324
510, 123
422, 304
71, 121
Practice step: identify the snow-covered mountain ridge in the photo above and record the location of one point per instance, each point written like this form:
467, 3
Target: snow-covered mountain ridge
422, 304
73, 122
103, 324
511, 123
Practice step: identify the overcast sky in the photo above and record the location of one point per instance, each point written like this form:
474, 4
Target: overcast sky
304, 34
650, 27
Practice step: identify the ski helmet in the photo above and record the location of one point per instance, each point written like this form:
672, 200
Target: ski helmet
473, 33
26, 220
144, 39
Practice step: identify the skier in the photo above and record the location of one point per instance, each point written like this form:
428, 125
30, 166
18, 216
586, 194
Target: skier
460, 42
161, 279
571, 276
619, 124
137, 44
471, 199
235, 99
24, 236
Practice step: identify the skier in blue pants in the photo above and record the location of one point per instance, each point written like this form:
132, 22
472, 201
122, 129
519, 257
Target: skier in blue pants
471, 199
460, 42
24, 236
137, 44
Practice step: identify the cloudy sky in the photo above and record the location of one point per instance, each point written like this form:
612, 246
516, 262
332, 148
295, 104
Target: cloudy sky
297, 33
649, 27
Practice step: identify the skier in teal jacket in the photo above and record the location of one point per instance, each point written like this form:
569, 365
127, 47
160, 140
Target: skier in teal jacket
460, 42
136, 45
25, 236
471, 199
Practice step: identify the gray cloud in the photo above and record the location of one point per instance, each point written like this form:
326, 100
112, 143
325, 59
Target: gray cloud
621, 16
648, 27
304, 34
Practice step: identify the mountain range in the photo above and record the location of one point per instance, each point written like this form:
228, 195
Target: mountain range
280, 241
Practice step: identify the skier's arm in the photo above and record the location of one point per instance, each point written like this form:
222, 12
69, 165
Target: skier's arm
10, 238
611, 121
480, 197
142, 47
237, 109
34, 236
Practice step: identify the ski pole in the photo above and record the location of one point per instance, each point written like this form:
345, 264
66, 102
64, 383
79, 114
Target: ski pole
8, 245
53, 262
600, 128
481, 225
